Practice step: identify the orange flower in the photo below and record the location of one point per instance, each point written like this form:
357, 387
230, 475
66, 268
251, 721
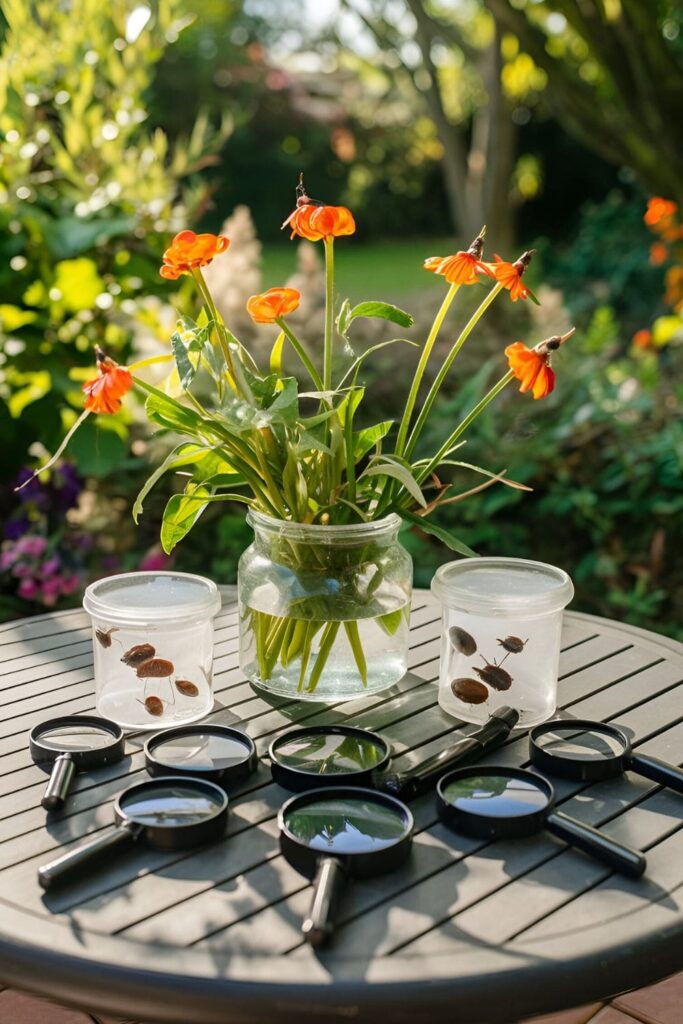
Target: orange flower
188, 251
104, 393
276, 302
461, 268
510, 275
659, 209
659, 254
642, 338
531, 366
313, 220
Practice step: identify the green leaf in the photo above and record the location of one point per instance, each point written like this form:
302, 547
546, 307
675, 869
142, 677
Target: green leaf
180, 515
344, 318
167, 412
445, 536
184, 454
383, 310
276, 354
401, 474
365, 440
186, 370
352, 371
285, 408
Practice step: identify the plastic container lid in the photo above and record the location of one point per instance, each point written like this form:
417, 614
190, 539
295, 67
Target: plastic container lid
143, 597
502, 586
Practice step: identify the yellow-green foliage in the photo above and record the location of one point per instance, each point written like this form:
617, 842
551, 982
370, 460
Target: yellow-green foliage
88, 195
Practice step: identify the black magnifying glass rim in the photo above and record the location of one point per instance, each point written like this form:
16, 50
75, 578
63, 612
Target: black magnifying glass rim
575, 767
176, 836
305, 858
94, 757
298, 781
489, 827
227, 776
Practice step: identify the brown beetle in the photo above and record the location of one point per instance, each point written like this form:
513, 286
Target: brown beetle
494, 675
155, 668
104, 635
135, 656
187, 688
154, 705
470, 691
462, 641
513, 644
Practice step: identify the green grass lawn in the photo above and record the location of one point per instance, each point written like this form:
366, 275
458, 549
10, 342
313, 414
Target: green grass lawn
379, 270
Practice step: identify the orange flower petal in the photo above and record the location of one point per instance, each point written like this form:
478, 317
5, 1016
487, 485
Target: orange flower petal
531, 369
316, 222
104, 393
276, 302
461, 268
188, 251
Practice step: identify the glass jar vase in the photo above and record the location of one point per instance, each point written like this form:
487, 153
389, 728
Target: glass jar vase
324, 610
153, 646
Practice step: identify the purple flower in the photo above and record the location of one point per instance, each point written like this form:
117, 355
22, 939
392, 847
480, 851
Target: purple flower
8, 556
16, 528
50, 566
31, 545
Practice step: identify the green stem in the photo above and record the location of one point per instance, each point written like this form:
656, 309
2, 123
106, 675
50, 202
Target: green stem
462, 427
326, 644
301, 352
222, 339
448, 362
353, 637
329, 313
421, 366
311, 629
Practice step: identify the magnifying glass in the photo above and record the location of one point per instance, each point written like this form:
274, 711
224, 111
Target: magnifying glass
330, 834
215, 753
580, 749
510, 803
334, 755
169, 813
74, 743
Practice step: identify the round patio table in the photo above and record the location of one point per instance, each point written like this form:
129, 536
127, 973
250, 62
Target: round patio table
482, 932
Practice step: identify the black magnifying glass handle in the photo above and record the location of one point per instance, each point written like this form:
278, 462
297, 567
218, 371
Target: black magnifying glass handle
410, 784
318, 926
60, 870
656, 770
584, 837
61, 777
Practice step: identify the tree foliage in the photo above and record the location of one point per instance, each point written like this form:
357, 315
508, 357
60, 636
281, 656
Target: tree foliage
615, 77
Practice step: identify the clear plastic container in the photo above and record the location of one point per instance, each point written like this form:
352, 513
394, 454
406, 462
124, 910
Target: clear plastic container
500, 644
153, 644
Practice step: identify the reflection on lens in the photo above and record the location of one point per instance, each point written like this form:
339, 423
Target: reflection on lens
169, 805
75, 737
580, 744
496, 796
346, 826
329, 753
201, 750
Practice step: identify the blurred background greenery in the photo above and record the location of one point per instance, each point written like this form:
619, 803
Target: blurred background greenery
555, 123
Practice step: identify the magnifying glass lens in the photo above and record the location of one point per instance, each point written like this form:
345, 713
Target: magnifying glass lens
329, 754
202, 751
580, 744
169, 806
496, 796
346, 826
75, 737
